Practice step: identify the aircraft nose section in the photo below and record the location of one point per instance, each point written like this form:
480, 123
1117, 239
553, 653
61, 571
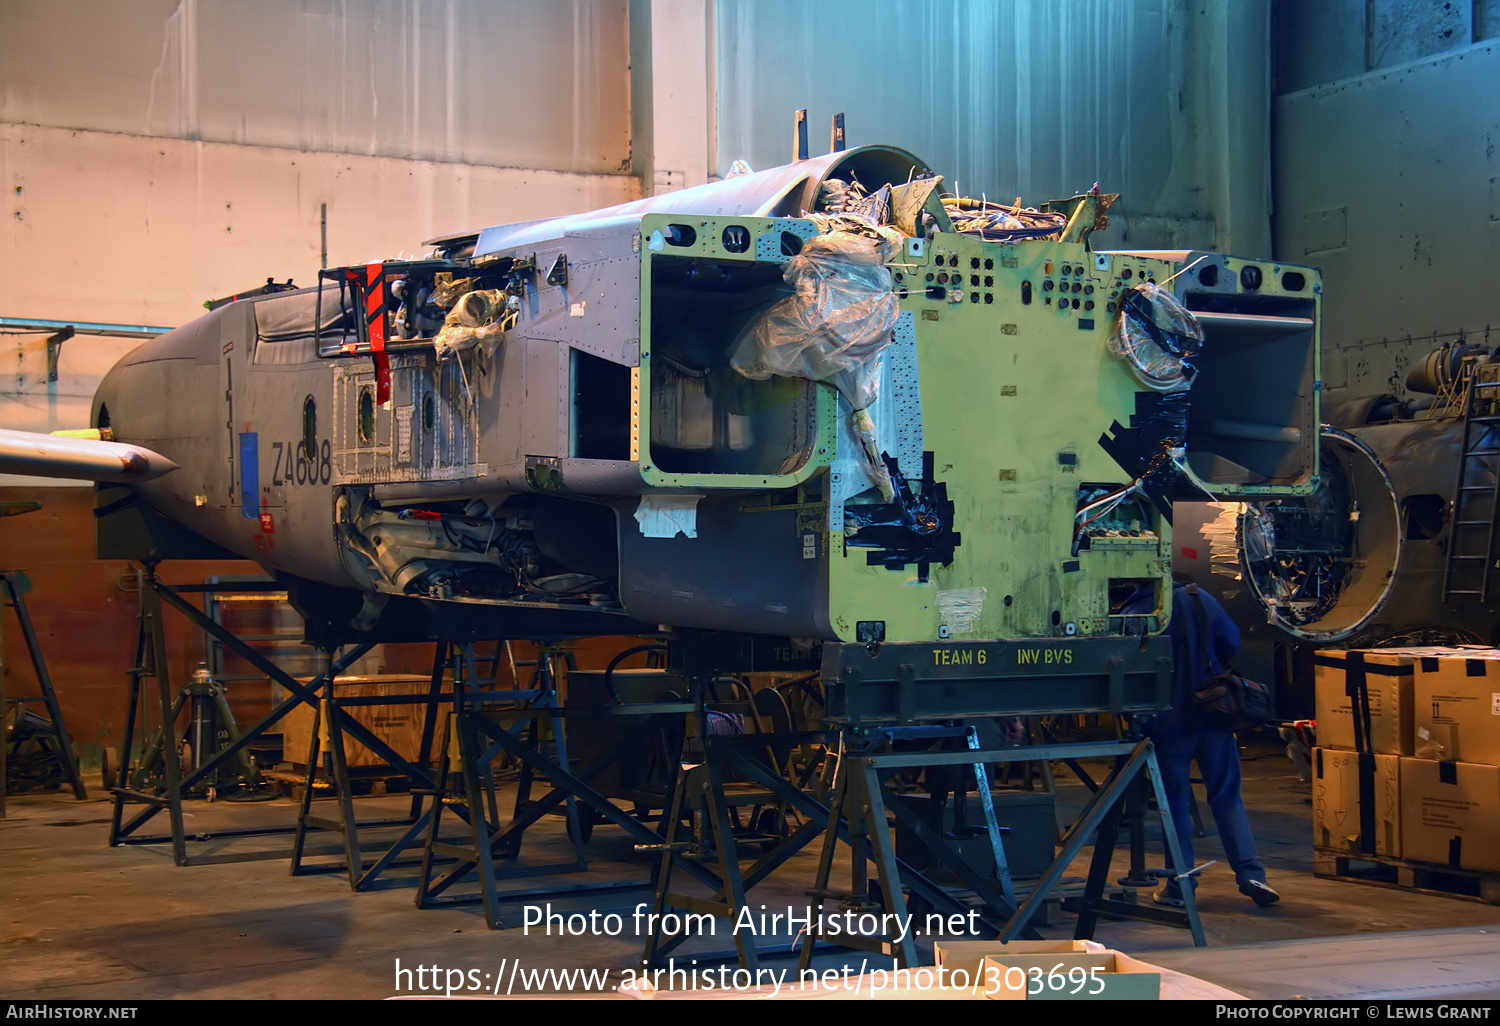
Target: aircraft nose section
104, 397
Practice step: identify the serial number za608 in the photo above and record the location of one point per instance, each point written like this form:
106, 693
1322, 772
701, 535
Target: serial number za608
1075, 980
295, 464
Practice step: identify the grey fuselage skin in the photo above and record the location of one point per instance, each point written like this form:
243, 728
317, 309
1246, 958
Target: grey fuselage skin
192, 392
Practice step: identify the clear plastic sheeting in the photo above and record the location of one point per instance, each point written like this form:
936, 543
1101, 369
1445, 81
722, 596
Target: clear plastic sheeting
478, 320
835, 196
838, 320
1158, 337
445, 294
837, 323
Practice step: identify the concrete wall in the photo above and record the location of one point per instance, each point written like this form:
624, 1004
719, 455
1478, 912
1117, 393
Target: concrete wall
503, 83
1164, 101
1323, 42
155, 154
1387, 177
115, 228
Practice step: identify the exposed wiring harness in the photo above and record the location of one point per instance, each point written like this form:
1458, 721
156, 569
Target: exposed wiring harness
1002, 222
1104, 505
1110, 502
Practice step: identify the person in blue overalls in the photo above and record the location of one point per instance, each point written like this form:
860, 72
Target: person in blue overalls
1180, 739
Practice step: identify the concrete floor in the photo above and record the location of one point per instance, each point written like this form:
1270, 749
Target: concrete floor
79, 920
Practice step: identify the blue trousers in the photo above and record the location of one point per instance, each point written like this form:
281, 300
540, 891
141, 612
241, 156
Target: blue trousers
1218, 759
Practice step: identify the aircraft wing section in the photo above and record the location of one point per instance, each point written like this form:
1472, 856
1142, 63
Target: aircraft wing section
38, 455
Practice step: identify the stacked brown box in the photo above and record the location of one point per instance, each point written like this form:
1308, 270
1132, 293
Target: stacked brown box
1337, 821
1340, 821
1389, 680
1450, 813
1450, 789
1457, 706
1398, 731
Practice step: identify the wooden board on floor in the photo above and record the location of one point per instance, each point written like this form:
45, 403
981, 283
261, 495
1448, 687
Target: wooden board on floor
1380, 871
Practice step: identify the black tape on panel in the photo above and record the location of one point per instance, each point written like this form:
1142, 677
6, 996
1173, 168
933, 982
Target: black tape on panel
1356, 687
1375, 668
1475, 667
1367, 802
1448, 772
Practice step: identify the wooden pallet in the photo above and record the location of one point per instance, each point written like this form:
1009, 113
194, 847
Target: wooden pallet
1382, 871
289, 780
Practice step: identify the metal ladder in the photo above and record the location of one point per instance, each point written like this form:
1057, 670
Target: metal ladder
1476, 498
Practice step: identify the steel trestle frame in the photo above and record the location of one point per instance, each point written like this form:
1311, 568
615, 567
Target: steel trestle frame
15, 584
480, 738
347, 825
151, 661
856, 817
865, 792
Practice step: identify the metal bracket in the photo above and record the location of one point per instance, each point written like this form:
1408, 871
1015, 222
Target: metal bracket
558, 274
519, 274
54, 349
906, 692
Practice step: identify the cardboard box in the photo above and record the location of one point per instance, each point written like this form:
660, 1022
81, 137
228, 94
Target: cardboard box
1389, 674
1336, 803
1450, 813
1086, 976
1457, 702
399, 726
968, 955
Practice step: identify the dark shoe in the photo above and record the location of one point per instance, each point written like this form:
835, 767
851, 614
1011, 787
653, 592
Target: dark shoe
1168, 893
1259, 892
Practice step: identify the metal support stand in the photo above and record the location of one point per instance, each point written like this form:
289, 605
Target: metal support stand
862, 799
475, 734
700, 782
1138, 877
1104, 813
16, 584
151, 663
699, 791
335, 762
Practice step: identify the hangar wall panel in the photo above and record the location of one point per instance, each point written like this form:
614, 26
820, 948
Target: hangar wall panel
511, 83
124, 229
1390, 183
1163, 101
